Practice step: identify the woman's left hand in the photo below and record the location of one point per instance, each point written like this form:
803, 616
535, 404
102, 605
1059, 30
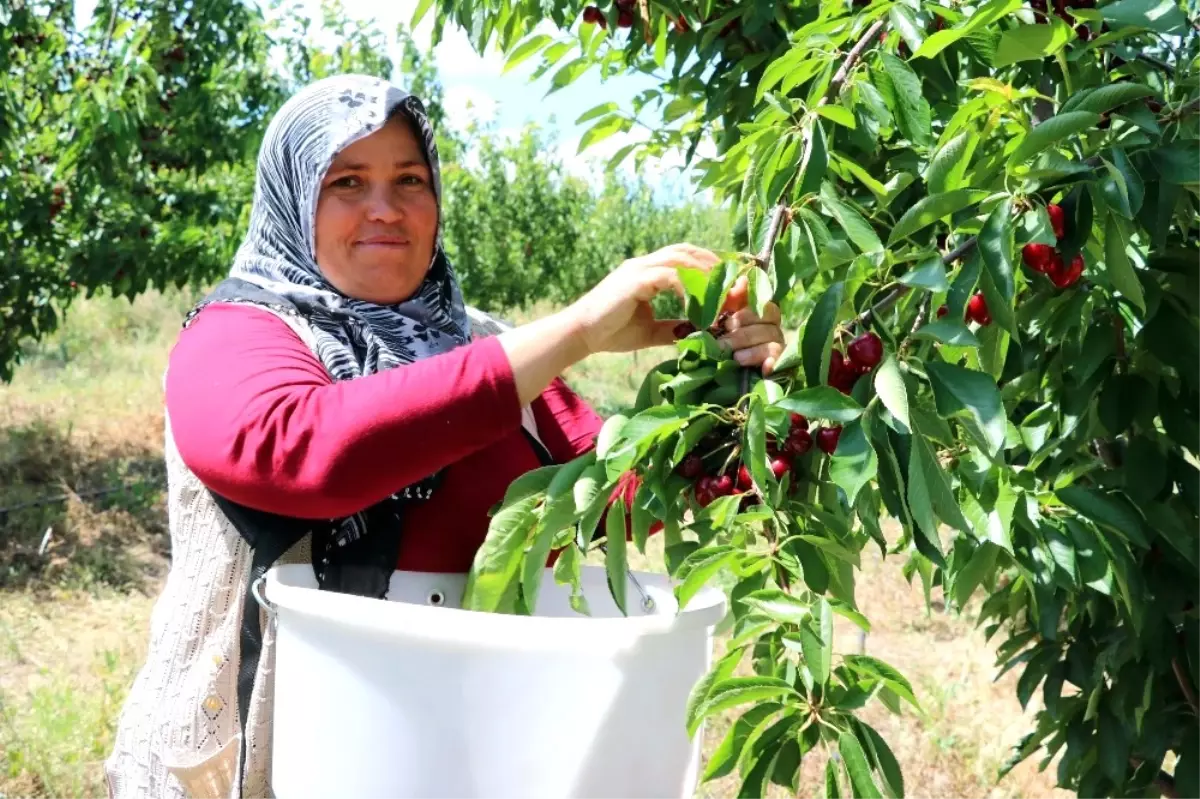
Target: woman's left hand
754, 340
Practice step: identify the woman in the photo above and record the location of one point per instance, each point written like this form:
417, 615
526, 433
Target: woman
335, 402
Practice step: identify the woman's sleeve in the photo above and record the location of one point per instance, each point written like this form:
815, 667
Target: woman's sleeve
257, 418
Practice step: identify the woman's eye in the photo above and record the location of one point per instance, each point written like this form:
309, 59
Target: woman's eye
347, 182
411, 180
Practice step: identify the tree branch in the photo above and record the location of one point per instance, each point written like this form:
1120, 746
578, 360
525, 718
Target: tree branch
1156, 63
1164, 782
1181, 111
1189, 693
896, 293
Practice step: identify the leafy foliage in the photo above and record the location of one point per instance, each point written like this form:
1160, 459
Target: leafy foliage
1032, 426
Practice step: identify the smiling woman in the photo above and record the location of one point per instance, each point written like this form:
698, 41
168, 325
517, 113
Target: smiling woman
377, 216
335, 403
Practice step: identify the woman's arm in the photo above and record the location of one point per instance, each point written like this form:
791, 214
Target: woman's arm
258, 419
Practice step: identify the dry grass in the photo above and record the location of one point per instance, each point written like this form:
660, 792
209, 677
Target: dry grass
85, 412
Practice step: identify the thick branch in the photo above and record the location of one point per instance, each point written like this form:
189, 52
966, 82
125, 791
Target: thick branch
843, 73
1156, 63
1181, 111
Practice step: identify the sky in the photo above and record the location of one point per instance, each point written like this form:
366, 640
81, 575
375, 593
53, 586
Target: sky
475, 90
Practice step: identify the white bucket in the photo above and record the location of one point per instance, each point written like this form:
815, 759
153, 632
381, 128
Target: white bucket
407, 698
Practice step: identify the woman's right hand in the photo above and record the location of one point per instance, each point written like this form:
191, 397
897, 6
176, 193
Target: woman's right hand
616, 315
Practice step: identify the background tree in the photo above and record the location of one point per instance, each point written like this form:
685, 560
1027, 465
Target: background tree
127, 151
983, 217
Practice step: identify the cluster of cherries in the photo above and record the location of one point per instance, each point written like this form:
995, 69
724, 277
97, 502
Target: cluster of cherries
1047, 260
1060, 11
592, 15
976, 310
736, 478
861, 356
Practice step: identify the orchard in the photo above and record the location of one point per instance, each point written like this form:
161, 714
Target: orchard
980, 221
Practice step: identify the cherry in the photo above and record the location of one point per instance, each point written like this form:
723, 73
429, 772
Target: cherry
625, 19
827, 439
977, 310
939, 23
593, 15
942, 311
1038, 256
1155, 106
799, 441
1058, 220
1064, 276
704, 490
723, 486
842, 375
798, 420
779, 467
681, 24
692, 466
1105, 122
684, 329
744, 482
865, 351
1083, 32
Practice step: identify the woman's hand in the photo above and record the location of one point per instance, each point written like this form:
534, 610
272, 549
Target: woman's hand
616, 315
754, 340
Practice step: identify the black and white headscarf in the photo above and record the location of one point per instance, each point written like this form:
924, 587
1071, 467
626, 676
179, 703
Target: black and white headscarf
354, 337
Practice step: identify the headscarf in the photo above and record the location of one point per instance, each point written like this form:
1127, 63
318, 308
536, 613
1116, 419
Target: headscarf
353, 337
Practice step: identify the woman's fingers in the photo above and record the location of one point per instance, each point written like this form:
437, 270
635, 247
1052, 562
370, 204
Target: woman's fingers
747, 337
746, 317
737, 296
759, 354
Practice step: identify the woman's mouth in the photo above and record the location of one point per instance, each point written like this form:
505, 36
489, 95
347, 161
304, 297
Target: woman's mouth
383, 242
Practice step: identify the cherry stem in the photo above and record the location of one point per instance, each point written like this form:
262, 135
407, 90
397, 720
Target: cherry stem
896, 293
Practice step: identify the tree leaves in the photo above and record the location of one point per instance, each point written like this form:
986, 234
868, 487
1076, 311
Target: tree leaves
822, 402
949, 163
614, 553
901, 90
959, 390
818, 333
1051, 131
857, 767
1031, 42
1120, 270
854, 463
736, 691
1110, 510
857, 229
889, 385
996, 247
985, 15
497, 559
1161, 16
930, 209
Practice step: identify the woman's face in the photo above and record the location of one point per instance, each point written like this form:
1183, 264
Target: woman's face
377, 217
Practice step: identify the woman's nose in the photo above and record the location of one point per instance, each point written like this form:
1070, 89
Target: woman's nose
384, 206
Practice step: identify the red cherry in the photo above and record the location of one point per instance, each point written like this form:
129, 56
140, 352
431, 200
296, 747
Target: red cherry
625, 19
942, 311
836, 362
684, 329
827, 439
692, 466
744, 482
1037, 256
681, 24
1058, 220
1065, 276
723, 486
74, 285
798, 420
592, 15
799, 441
977, 310
865, 351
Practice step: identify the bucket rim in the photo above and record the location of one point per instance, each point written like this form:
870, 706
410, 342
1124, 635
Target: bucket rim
481, 629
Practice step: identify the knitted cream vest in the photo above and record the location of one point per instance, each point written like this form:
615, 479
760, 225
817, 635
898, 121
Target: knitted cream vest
178, 734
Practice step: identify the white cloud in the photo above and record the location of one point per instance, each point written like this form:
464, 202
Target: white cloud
466, 104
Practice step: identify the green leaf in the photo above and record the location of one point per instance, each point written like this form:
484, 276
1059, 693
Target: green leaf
948, 331
1106, 98
1112, 511
1031, 42
930, 274
602, 130
724, 758
899, 83
523, 50
814, 163
641, 519
854, 463
996, 248
1161, 16
614, 552
760, 291
1120, 270
714, 293
1053, 130
609, 435
567, 572
847, 612
857, 767
822, 402
530, 483
754, 443
699, 575
930, 496
497, 560
569, 73
838, 114
703, 689
1001, 311
930, 209
597, 111
779, 606
968, 578
983, 17
816, 639
949, 163
888, 766
736, 691
857, 229
959, 390
832, 789
422, 8
889, 385
818, 333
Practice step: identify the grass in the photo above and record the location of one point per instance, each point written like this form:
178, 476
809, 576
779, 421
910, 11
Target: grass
85, 413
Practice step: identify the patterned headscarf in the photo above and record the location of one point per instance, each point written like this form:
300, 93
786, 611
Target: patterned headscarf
354, 337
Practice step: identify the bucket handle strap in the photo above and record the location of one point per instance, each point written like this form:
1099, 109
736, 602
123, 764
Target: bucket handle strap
256, 588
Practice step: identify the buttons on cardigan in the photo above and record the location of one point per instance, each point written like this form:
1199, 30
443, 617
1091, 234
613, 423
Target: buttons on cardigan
213, 703
436, 598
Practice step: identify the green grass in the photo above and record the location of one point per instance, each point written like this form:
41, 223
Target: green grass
85, 411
